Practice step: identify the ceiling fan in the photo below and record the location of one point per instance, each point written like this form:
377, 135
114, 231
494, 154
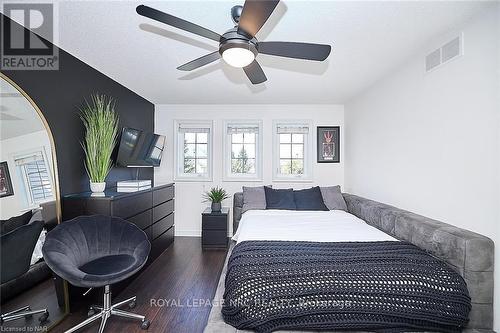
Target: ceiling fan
238, 46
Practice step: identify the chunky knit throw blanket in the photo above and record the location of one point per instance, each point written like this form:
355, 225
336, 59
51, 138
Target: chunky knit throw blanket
374, 286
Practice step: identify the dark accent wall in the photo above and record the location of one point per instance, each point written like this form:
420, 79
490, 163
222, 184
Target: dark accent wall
60, 93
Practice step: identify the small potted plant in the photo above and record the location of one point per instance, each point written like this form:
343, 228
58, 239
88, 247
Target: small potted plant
216, 195
101, 131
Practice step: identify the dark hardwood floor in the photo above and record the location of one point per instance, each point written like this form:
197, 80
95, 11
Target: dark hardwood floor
183, 275
41, 296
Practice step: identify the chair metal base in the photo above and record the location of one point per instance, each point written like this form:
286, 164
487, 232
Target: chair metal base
23, 313
108, 310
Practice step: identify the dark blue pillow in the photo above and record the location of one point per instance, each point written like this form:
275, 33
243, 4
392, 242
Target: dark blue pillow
309, 199
279, 198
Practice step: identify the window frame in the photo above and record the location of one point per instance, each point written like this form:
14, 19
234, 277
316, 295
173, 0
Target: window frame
179, 175
307, 176
227, 174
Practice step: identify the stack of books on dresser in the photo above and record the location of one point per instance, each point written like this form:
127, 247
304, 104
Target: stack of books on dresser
133, 185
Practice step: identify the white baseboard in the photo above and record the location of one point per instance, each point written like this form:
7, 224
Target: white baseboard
187, 233
191, 233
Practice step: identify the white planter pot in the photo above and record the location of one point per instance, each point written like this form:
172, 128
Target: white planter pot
97, 187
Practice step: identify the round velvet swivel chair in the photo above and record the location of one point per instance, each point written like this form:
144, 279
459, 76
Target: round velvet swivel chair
98, 251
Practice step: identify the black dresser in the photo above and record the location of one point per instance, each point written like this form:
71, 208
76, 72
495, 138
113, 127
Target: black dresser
152, 210
214, 228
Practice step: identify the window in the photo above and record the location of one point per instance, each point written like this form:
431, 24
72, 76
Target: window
36, 177
194, 150
292, 154
157, 149
243, 150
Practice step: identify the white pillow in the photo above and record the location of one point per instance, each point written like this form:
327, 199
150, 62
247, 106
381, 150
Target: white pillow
37, 252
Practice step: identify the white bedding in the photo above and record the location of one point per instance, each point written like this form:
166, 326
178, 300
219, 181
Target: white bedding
37, 252
312, 226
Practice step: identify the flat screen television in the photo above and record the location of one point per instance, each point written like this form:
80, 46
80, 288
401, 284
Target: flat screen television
140, 149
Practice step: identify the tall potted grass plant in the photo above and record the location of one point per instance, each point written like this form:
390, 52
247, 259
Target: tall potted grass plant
101, 131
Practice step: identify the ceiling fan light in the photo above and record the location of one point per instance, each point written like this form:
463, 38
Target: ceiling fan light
238, 57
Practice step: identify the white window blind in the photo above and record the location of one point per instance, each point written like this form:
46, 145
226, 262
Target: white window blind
236, 129
36, 176
36, 156
291, 128
188, 128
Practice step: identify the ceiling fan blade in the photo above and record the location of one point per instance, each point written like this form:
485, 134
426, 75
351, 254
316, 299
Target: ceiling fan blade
255, 73
177, 22
201, 61
317, 52
254, 14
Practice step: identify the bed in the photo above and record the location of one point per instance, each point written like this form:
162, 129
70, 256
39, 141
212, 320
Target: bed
369, 223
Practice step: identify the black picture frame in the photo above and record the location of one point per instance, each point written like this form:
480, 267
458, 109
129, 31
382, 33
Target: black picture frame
328, 144
6, 188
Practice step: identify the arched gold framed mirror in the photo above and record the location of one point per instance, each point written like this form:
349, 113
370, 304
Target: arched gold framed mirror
30, 206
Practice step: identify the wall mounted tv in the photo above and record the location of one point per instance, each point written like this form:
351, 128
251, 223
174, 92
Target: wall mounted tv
140, 149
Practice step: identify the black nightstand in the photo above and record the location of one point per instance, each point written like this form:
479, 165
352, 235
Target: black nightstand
214, 228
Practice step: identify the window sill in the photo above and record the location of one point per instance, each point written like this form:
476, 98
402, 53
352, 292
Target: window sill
292, 180
242, 179
193, 179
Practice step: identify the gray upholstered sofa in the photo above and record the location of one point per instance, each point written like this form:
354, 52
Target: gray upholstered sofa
469, 253
39, 271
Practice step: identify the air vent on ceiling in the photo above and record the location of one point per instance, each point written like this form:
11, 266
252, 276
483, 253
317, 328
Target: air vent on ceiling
444, 54
433, 60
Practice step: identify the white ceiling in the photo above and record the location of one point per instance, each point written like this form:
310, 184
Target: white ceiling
17, 115
368, 38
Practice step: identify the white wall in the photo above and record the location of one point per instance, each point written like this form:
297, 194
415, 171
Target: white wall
15, 204
430, 143
188, 204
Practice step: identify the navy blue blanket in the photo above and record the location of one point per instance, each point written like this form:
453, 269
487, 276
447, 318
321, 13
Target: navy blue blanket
374, 286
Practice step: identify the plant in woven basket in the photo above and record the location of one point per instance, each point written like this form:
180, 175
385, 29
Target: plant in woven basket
215, 195
101, 131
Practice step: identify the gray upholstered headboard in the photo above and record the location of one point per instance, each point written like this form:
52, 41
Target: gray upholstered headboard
237, 209
49, 214
471, 254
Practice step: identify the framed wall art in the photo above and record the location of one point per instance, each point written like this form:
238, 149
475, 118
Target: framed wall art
328, 144
5, 181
